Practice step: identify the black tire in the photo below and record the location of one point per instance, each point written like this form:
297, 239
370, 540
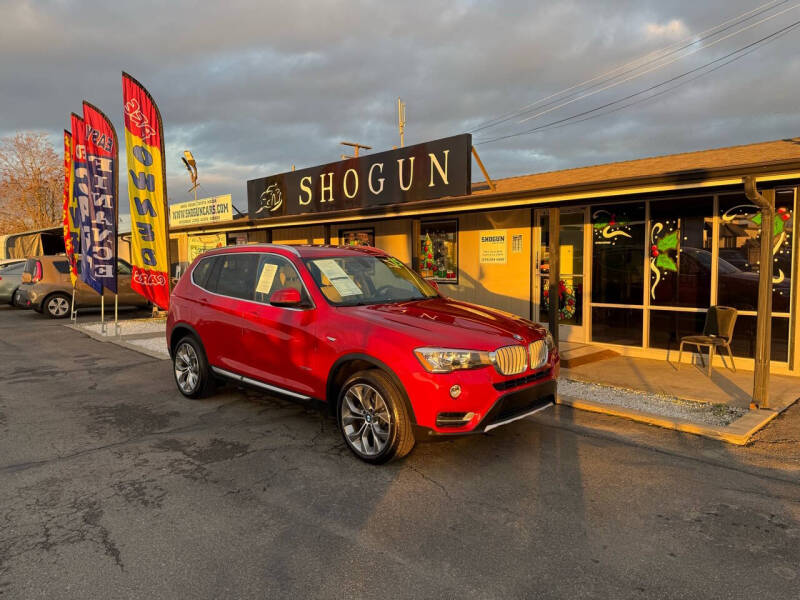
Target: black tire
399, 440
56, 306
13, 301
190, 368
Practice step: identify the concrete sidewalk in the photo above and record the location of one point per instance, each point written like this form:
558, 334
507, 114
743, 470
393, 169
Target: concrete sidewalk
685, 382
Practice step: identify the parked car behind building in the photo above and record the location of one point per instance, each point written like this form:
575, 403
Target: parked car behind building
10, 279
46, 287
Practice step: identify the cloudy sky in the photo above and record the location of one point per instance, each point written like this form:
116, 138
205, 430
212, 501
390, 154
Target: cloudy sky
254, 87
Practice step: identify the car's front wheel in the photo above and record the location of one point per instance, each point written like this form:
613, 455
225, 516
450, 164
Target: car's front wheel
57, 306
373, 417
190, 366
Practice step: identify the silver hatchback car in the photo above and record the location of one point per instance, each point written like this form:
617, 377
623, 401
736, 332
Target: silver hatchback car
10, 279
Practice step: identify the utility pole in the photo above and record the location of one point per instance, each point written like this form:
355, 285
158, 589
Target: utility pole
357, 148
766, 202
401, 121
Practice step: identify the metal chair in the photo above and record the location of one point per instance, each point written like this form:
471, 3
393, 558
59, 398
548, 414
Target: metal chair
717, 333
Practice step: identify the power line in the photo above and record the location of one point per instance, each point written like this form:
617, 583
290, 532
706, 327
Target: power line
715, 42
659, 56
662, 92
737, 54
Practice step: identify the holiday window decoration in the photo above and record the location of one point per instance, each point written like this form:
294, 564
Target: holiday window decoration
567, 303
438, 257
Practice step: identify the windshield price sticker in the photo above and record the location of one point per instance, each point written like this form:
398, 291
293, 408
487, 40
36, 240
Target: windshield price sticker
338, 278
266, 278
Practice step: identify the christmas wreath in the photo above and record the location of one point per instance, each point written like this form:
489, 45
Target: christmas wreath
566, 301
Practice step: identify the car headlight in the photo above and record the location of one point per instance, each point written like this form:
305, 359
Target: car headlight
551, 345
446, 360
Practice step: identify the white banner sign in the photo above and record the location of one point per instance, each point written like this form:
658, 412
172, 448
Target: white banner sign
493, 248
203, 210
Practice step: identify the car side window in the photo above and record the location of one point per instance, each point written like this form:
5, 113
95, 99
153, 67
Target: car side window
277, 273
123, 268
13, 269
61, 266
201, 272
236, 275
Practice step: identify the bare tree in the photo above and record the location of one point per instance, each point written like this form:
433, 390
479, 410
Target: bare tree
31, 183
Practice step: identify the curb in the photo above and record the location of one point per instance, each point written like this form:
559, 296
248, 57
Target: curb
121, 340
739, 432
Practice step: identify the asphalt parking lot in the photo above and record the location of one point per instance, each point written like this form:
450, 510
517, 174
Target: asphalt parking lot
112, 485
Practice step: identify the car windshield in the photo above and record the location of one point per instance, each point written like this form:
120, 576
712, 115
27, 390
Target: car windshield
359, 280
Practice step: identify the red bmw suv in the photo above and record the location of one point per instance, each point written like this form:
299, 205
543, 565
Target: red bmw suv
354, 327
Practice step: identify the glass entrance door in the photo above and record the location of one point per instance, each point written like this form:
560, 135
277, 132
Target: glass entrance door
572, 237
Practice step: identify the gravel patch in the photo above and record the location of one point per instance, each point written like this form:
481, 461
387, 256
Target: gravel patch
128, 327
157, 345
656, 404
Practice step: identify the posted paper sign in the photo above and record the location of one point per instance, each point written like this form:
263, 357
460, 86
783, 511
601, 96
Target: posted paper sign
493, 247
266, 278
338, 278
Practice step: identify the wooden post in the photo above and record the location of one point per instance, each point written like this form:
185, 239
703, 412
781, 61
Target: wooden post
554, 240
766, 202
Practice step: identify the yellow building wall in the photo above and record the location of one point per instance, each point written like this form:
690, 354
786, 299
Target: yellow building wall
314, 234
503, 286
392, 236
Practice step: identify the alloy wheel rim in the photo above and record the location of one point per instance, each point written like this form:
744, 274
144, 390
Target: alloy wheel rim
58, 306
187, 368
366, 420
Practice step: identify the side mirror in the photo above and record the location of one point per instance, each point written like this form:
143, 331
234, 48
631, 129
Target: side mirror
433, 284
288, 297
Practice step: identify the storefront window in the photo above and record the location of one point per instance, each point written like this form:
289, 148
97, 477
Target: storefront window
740, 247
618, 254
617, 325
744, 338
438, 256
668, 327
357, 237
680, 239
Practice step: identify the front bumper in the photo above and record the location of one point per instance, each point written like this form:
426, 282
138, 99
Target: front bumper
504, 405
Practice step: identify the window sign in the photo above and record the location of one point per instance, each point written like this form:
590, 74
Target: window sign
197, 244
618, 240
357, 237
516, 243
265, 279
740, 247
493, 247
438, 258
338, 277
680, 252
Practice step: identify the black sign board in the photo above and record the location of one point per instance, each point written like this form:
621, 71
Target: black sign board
421, 172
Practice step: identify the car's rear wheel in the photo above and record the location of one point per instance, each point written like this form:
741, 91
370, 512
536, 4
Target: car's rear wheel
57, 306
373, 417
190, 367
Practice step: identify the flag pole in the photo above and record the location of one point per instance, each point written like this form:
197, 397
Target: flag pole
72, 315
102, 312
116, 314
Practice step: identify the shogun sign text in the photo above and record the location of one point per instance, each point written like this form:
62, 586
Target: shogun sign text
421, 172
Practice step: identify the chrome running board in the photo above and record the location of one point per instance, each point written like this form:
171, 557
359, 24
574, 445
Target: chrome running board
257, 383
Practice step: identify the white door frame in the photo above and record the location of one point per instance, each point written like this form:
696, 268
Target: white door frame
568, 333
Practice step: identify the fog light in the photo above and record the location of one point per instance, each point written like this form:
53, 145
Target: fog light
455, 391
